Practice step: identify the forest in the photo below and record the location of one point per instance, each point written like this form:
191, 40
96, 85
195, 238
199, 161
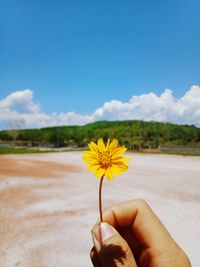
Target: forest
135, 134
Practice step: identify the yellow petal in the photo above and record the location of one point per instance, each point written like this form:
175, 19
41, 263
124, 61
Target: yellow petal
108, 174
87, 153
90, 155
116, 170
117, 152
100, 172
101, 145
120, 159
113, 145
85, 159
122, 167
93, 147
92, 168
89, 158
107, 145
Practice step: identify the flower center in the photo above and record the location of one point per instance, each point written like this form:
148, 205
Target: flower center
105, 159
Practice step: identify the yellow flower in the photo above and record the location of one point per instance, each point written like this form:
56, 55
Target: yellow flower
106, 159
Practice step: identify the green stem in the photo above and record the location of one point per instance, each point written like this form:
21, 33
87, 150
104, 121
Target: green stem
100, 199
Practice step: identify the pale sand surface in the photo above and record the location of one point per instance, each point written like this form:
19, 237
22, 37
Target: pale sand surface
49, 202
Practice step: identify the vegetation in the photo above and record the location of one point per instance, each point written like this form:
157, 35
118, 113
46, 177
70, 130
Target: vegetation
134, 134
12, 150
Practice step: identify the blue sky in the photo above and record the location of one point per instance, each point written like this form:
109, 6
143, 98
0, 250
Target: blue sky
77, 55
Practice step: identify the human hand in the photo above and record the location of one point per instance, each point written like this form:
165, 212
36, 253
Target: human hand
133, 236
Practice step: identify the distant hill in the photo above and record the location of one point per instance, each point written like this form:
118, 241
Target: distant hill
134, 134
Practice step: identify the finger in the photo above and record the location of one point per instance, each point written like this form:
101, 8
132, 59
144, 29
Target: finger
94, 258
112, 249
145, 224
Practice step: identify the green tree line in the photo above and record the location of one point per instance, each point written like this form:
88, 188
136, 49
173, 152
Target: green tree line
134, 134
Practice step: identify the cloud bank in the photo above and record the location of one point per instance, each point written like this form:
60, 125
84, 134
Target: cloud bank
21, 110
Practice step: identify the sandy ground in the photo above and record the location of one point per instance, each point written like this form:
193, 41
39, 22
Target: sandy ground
48, 204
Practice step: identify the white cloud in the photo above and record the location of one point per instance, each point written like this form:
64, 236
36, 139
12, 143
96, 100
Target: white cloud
21, 102
166, 108
21, 110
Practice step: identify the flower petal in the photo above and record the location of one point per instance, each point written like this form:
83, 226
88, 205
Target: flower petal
89, 159
100, 172
109, 174
107, 145
116, 170
101, 145
123, 167
117, 152
120, 159
92, 168
113, 145
89, 155
93, 147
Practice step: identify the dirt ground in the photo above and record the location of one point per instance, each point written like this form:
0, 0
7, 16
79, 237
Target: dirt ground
48, 204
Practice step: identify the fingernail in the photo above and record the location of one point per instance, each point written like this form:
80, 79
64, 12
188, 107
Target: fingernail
103, 231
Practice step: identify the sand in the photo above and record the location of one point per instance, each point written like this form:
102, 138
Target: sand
48, 204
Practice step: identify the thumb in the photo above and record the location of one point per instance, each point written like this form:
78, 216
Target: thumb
111, 248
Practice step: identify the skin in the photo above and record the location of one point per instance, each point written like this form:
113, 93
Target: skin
141, 240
